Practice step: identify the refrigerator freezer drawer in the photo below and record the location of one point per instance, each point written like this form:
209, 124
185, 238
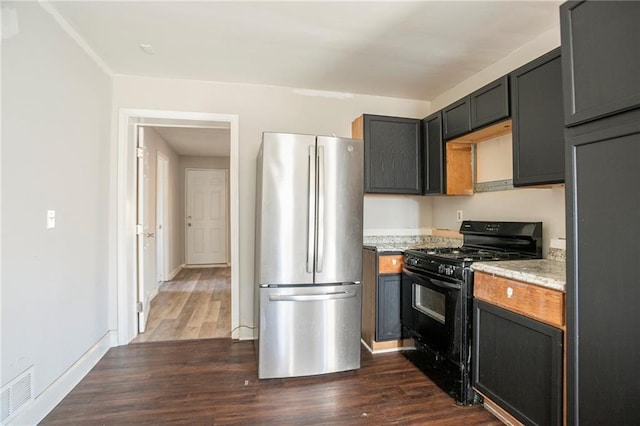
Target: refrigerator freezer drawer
309, 330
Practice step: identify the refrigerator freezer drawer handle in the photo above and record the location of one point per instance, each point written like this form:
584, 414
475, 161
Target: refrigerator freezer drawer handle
310, 297
311, 200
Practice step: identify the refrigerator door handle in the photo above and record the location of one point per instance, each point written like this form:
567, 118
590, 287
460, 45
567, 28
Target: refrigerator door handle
311, 297
320, 236
311, 200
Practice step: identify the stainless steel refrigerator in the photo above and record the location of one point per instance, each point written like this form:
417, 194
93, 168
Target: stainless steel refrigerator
309, 199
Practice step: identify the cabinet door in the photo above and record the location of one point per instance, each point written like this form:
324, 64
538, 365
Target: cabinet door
490, 103
517, 362
600, 58
603, 250
392, 155
456, 119
538, 121
388, 325
369, 280
433, 154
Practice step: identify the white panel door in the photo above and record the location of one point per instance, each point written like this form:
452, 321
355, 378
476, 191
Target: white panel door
162, 216
146, 244
206, 217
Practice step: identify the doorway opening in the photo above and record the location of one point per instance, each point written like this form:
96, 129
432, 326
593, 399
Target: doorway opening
162, 232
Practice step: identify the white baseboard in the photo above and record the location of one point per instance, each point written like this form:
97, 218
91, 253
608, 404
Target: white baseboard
154, 293
206, 265
52, 395
175, 272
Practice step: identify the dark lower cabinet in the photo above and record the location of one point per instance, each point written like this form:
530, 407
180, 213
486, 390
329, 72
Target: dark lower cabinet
381, 299
388, 302
538, 121
432, 154
517, 363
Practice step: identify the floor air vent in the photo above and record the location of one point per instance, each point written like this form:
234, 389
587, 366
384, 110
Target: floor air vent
16, 394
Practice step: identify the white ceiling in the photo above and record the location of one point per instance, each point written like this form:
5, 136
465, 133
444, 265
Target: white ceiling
416, 49
197, 141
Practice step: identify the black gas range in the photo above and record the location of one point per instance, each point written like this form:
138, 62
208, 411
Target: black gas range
437, 295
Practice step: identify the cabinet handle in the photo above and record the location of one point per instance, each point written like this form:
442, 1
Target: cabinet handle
509, 292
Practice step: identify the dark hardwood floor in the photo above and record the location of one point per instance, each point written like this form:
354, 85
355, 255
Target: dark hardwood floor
214, 381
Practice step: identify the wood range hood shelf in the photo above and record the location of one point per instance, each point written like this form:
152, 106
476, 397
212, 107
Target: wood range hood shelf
459, 156
484, 134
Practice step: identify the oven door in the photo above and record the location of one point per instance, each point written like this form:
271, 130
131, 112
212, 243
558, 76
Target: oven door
432, 307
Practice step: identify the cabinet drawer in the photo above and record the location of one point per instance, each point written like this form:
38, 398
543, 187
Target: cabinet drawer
535, 302
390, 264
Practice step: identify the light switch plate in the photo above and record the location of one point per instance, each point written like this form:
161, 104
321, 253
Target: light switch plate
51, 219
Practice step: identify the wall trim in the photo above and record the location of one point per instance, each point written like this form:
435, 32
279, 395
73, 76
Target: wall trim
44, 403
75, 36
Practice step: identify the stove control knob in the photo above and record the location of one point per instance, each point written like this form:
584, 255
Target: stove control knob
441, 269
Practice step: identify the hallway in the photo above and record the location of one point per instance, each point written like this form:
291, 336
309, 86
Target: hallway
196, 304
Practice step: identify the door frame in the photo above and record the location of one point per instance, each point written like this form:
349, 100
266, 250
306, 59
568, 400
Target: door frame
226, 225
125, 197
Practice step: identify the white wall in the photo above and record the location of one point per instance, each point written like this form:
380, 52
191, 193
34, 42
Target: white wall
527, 205
261, 108
544, 43
56, 146
546, 205
396, 215
187, 162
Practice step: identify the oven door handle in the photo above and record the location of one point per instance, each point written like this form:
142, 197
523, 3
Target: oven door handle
445, 284
420, 276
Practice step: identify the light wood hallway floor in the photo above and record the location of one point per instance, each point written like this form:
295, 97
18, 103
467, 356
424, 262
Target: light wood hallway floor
196, 304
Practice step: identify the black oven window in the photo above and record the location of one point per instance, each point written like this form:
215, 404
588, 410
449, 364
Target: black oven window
429, 302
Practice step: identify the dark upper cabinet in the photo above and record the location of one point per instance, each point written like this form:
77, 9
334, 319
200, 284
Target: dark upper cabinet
433, 154
490, 103
538, 121
392, 155
483, 107
388, 325
600, 56
517, 363
456, 119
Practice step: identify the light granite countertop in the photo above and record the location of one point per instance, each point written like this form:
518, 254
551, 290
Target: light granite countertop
543, 272
399, 244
